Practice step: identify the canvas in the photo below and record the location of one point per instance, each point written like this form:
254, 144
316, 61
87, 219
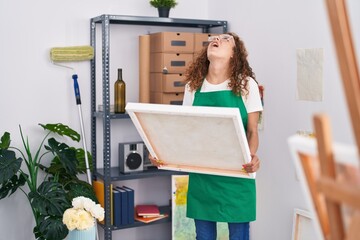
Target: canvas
208, 140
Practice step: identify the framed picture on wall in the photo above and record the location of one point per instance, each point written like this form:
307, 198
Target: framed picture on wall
207, 140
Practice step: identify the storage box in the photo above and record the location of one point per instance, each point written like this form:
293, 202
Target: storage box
175, 42
170, 62
166, 98
201, 40
167, 83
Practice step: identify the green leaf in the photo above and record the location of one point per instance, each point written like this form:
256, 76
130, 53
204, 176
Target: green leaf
10, 186
9, 165
163, 3
62, 130
52, 228
5, 141
49, 199
66, 155
77, 188
80, 156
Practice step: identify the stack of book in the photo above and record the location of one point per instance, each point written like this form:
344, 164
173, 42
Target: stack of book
123, 206
148, 213
122, 203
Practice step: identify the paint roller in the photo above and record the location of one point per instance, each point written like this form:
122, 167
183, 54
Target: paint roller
75, 54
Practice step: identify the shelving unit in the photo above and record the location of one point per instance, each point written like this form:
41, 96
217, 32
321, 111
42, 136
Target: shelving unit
109, 174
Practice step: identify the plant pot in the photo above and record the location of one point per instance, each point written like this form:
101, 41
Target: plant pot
88, 234
164, 11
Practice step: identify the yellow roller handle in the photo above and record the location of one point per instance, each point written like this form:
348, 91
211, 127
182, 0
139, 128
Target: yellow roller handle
71, 54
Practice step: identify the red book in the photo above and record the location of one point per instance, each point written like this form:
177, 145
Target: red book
147, 210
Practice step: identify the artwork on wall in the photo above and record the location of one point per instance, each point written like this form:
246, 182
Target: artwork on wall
310, 74
193, 139
183, 228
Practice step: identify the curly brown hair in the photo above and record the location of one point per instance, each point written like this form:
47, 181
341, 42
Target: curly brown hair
239, 68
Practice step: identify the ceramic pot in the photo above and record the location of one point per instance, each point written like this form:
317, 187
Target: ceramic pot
88, 234
164, 11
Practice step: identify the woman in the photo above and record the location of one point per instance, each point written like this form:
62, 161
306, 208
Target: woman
221, 77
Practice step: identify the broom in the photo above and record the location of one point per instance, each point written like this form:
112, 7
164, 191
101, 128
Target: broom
75, 54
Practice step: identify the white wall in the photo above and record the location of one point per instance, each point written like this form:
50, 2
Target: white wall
272, 31
35, 91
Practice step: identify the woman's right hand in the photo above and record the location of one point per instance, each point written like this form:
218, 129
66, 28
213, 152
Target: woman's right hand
155, 161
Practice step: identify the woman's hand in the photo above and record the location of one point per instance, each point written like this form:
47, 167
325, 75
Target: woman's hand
253, 165
155, 161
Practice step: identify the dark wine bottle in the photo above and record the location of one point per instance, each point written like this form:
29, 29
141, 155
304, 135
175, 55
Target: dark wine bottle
119, 93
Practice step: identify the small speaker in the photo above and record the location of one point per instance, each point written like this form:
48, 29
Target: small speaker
131, 157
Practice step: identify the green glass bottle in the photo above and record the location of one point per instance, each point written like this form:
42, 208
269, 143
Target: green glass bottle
119, 93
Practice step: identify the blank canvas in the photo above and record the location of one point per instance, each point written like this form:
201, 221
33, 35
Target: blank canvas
193, 139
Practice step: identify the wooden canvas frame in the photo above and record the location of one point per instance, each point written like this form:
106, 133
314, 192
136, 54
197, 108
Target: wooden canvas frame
304, 151
302, 225
209, 140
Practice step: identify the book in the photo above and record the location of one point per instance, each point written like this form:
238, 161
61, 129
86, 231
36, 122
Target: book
131, 204
150, 219
124, 206
117, 207
147, 210
99, 190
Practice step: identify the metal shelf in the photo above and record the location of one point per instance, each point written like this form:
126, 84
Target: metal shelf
109, 174
112, 115
163, 210
157, 21
116, 175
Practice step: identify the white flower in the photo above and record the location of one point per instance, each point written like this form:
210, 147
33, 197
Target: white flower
81, 215
98, 212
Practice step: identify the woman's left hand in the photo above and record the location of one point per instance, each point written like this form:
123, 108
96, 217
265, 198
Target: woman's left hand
253, 165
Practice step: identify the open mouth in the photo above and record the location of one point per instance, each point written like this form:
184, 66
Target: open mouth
215, 44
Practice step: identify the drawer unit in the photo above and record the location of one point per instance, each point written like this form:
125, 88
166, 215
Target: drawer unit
172, 42
170, 62
166, 98
167, 83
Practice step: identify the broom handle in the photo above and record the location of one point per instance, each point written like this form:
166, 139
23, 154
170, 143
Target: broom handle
88, 172
78, 103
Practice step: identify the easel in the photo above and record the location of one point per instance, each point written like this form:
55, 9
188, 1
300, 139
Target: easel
327, 193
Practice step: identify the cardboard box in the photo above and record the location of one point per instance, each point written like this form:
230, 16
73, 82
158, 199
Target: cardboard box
166, 98
167, 83
175, 42
201, 40
170, 62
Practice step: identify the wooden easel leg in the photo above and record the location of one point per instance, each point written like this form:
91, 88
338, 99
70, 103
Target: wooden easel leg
327, 166
307, 163
354, 228
347, 60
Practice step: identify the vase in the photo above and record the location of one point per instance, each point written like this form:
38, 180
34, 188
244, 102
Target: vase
88, 234
164, 11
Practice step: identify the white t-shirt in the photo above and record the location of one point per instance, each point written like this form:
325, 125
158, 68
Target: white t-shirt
252, 101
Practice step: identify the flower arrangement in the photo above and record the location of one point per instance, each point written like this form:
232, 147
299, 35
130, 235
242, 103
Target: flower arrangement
83, 214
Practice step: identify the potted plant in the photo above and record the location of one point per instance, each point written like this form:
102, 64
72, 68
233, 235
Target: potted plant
81, 218
163, 6
51, 195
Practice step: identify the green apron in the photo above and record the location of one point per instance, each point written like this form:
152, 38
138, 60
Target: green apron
219, 198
